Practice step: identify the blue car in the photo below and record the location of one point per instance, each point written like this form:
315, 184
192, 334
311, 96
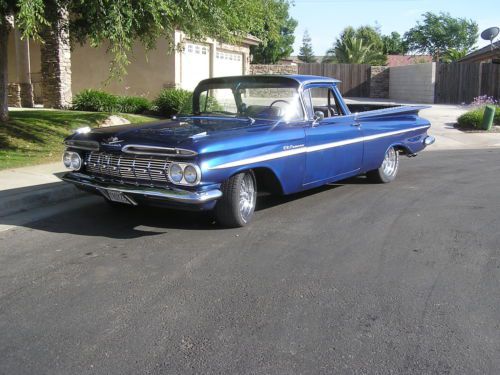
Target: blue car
282, 134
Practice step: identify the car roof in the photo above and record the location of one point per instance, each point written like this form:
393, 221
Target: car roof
294, 78
302, 78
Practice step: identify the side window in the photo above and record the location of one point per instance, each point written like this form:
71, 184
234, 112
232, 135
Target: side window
324, 100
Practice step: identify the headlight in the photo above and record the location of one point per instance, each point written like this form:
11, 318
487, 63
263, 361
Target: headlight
72, 160
190, 174
76, 161
184, 174
176, 172
67, 159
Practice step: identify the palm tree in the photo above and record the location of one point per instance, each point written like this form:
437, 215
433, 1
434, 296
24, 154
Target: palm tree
453, 54
351, 50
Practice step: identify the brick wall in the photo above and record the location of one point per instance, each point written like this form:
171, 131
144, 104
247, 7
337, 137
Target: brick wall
273, 69
379, 82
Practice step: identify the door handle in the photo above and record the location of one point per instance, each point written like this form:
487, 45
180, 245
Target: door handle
356, 124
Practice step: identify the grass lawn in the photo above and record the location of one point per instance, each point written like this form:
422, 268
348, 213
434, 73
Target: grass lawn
35, 136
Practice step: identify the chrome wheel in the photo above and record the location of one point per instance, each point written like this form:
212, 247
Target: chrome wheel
390, 163
247, 197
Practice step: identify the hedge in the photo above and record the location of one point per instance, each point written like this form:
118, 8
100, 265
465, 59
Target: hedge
173, 101
474, 118
100, 101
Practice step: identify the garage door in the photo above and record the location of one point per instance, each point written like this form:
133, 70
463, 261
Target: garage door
228, 64
195, 65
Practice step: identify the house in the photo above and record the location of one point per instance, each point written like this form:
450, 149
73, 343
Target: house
149, 71
488, 54
403, 60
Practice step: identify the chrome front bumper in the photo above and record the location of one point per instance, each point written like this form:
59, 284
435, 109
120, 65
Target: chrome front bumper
174, 195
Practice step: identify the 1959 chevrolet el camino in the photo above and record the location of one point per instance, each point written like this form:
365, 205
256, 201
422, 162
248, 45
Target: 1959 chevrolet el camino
282, 134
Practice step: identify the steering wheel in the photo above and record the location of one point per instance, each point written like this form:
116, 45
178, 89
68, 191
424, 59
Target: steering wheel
277, 101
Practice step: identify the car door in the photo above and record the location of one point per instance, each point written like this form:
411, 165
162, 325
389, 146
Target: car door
334, 143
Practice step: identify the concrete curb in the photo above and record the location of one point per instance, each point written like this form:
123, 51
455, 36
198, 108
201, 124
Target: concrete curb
14, 201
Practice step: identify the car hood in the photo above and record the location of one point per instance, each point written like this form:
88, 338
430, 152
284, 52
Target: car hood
184, 131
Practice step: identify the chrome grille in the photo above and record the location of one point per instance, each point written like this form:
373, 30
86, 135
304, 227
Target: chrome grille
128, 168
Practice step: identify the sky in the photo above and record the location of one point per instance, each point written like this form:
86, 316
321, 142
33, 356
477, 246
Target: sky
325, 19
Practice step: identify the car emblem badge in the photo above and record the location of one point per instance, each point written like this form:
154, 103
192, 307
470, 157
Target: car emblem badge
111, 141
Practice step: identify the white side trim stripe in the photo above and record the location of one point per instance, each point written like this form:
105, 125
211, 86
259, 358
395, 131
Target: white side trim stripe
296, 151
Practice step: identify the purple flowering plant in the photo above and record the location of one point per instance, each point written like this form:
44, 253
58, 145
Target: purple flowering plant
483, 100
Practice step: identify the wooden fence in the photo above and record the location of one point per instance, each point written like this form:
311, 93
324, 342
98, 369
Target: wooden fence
458, 83
355, 77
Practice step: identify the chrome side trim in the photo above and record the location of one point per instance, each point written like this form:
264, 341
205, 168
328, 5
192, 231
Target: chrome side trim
281, 154
157, 150
176, 195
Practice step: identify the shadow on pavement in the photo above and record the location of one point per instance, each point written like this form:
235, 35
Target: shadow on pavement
98, 218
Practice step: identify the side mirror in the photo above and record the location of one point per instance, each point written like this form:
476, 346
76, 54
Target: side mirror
318, 117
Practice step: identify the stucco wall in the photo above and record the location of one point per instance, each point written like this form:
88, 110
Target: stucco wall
35, 62
147, 74
413, 83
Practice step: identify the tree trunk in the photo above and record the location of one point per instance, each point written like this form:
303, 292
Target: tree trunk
5, 27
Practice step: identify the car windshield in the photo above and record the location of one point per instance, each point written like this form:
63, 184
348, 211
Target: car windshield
256, 100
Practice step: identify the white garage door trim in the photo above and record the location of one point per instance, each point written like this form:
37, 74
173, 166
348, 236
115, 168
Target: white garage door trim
195, 65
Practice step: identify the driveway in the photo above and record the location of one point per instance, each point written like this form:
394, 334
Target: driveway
351, 278
442, 118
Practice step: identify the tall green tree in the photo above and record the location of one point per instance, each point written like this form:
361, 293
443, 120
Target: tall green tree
438, 33
355, 45
122, 22
306, 53
394, 44
279, 45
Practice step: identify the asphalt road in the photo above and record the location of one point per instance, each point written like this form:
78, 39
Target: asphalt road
352, 278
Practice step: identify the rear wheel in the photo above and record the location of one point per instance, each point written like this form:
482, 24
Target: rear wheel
237, 205
389, 168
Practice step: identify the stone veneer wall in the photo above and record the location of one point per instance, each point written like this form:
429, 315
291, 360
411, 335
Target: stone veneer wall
273, 69
379, 82
14, 95
56, 62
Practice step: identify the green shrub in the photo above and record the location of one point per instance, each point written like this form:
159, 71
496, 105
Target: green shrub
133, 104
100, 101
474, 118
209, 104
95, 101
174, 101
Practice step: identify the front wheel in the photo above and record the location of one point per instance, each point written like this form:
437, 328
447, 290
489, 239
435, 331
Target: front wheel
389, 168
237, 205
